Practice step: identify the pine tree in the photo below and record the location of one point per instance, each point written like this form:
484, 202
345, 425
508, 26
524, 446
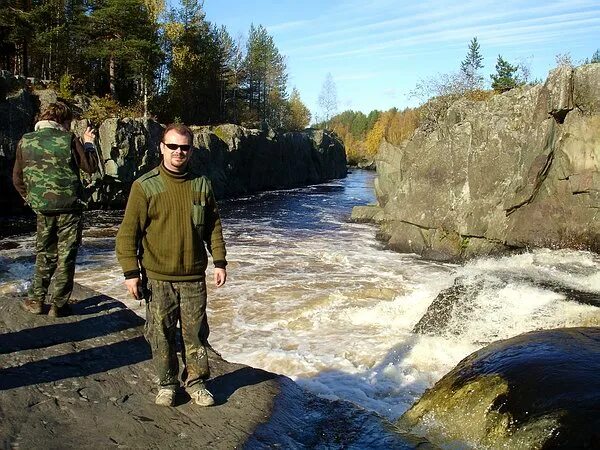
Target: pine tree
16, 34
505, 77
470, 66
231, 73
266, 79
193, 88
596, 57
124, 39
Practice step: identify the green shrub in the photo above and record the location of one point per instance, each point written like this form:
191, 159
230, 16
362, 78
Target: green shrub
102, 108
65, 86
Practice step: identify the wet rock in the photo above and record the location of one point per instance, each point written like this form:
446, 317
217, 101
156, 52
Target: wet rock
535, 390
367, 214
440, 314
454, 307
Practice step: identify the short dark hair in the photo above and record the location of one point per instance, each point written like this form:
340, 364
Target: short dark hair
57, 112
179, 128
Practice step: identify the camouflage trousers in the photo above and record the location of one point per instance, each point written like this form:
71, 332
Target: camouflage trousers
166, 304
57, 242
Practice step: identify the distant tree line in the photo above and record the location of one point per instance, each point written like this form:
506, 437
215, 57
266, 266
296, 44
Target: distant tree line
137, 53
362, 134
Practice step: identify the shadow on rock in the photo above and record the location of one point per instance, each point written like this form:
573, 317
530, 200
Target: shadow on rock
222, 387
82, 363
80, 330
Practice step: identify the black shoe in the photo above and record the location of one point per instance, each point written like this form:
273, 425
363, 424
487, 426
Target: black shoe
62, 311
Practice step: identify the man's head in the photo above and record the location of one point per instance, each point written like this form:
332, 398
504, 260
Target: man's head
176, 147
58, 112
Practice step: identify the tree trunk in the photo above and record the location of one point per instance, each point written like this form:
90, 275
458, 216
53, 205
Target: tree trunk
145, 83
112, 76
25, 59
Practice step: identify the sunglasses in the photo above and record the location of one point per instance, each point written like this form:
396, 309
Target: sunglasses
184, 147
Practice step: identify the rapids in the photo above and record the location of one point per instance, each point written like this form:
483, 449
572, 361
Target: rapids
317, 298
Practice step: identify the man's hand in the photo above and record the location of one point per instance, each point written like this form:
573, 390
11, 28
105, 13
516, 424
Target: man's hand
89, 135
134, 286
220, 277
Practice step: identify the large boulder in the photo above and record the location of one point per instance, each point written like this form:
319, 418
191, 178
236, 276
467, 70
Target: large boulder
519, 170
536, 390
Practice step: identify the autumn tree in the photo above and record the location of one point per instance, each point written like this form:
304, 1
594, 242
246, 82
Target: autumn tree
375, 136
297, 115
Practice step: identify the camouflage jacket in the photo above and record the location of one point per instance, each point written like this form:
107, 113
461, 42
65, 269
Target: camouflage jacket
46, 171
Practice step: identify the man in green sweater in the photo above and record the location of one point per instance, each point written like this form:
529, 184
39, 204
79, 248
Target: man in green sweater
170, 215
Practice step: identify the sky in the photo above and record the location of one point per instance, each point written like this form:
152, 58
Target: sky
378, 50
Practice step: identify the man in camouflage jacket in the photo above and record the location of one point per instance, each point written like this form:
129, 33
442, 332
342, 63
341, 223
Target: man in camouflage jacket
46, 175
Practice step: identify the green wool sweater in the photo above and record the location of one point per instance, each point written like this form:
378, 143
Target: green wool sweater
161, 230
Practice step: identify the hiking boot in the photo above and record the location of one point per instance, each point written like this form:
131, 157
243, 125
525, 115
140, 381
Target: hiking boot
32, 306
202, 397
165, 397
62, 311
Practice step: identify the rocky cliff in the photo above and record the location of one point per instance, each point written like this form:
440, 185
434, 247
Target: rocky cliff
519, 170
238, 160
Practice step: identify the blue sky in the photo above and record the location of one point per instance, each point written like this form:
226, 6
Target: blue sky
377, 50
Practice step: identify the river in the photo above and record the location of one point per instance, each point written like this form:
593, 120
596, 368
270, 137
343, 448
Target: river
319, 299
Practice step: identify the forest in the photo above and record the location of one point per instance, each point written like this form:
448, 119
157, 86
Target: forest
139, 57
142, 58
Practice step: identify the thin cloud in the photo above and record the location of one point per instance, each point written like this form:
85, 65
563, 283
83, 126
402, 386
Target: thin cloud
357, 76
437, 21
285, 26
511, 33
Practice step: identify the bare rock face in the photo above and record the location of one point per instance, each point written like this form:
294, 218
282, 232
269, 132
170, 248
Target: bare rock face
240, 160
519, 170
535, 390
237, 160
17, 115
